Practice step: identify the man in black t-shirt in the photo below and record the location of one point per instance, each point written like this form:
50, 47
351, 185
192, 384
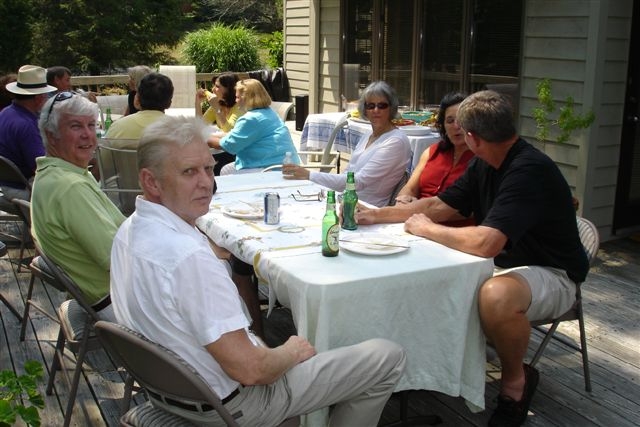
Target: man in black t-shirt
525, 220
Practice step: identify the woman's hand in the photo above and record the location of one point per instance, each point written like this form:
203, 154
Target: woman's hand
363, 214
404, 199
291, 171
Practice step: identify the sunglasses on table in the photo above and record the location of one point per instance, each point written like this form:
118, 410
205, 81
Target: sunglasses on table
373, 105
62, 96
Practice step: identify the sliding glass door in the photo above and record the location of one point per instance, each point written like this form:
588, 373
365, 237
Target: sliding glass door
426, 48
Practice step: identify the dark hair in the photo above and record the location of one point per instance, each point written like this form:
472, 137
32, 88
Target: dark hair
451, 98
227, 81
57, 71
155, 92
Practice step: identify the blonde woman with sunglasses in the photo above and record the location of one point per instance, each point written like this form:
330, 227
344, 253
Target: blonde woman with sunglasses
380, 157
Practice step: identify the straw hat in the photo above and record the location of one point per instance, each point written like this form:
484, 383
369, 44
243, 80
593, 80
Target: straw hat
32, 80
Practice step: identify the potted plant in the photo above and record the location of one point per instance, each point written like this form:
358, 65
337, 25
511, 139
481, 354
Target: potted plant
566, 120
16, 391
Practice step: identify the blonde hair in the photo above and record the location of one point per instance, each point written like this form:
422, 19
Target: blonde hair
254, 93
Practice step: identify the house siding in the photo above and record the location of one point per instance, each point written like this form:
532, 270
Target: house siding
583, 47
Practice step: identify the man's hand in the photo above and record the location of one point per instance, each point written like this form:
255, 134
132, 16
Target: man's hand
417, 224
300, 348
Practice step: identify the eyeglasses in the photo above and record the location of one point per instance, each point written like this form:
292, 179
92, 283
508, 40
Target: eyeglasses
62, 96
373, 105
300, 197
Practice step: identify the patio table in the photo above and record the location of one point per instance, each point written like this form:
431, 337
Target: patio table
318, 127
424, 298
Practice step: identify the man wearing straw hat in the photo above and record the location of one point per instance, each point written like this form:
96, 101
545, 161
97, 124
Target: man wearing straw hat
20, 139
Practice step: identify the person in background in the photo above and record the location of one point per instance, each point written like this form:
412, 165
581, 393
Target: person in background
167, 284
154, 95
135, 76
5, 96
442, 163
526, 222
381, 157
259, 138
223, 111
60, 77
73, 220
20, 139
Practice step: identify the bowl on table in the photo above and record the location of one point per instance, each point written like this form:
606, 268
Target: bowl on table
417, 116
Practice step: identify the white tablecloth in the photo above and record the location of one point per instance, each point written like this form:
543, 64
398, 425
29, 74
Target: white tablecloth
318, 127
424, 298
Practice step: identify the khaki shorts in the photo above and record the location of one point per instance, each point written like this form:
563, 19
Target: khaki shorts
552, 292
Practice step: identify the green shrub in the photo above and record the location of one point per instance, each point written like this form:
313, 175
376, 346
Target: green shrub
567, 119
274, 44
222, 48
16, 389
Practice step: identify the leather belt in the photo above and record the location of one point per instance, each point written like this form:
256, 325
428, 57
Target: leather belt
102, 304
204, 407
229, 398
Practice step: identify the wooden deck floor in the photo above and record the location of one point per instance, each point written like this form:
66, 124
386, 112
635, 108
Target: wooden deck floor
612, 307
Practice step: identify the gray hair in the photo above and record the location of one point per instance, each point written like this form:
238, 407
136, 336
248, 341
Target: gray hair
488, 115
57, 106
382, 89
170, 131
138, 72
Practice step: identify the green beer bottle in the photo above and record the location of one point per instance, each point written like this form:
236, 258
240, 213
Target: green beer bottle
107, 120
349, 202
330, 228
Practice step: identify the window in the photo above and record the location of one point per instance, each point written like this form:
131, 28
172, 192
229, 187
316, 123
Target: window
426, 48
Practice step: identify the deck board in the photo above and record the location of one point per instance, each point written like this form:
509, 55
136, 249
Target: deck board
612, 315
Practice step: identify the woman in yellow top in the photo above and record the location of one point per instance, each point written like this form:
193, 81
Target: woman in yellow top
223, 111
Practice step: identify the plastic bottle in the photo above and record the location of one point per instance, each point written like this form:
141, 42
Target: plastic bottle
330, 227
288, 159
349, 202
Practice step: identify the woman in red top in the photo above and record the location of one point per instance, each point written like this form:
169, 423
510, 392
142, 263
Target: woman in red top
442, 163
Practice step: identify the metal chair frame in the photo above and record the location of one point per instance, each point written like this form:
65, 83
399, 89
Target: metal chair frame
79, 345
9, 172
591, 242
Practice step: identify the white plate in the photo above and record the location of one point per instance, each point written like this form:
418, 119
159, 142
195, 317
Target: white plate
415, 130
373, 244
243, 211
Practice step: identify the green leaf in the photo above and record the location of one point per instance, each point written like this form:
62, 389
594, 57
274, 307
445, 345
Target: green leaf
7, 413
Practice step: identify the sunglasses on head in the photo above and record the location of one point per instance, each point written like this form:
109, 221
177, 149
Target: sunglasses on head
62, 96
373, 105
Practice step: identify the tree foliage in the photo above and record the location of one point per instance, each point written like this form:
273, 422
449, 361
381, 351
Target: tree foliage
15, 35
261, 15
91, 37
222, 48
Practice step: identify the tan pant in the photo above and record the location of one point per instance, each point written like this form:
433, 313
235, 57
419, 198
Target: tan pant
357, 379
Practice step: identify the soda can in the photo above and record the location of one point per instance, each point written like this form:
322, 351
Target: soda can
271, 208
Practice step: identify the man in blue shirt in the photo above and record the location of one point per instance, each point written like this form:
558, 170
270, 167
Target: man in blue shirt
20, 139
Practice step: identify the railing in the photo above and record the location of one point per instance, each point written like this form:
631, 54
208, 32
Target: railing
119, 81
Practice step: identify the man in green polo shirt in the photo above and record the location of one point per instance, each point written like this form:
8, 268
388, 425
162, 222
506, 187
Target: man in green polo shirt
73, 221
